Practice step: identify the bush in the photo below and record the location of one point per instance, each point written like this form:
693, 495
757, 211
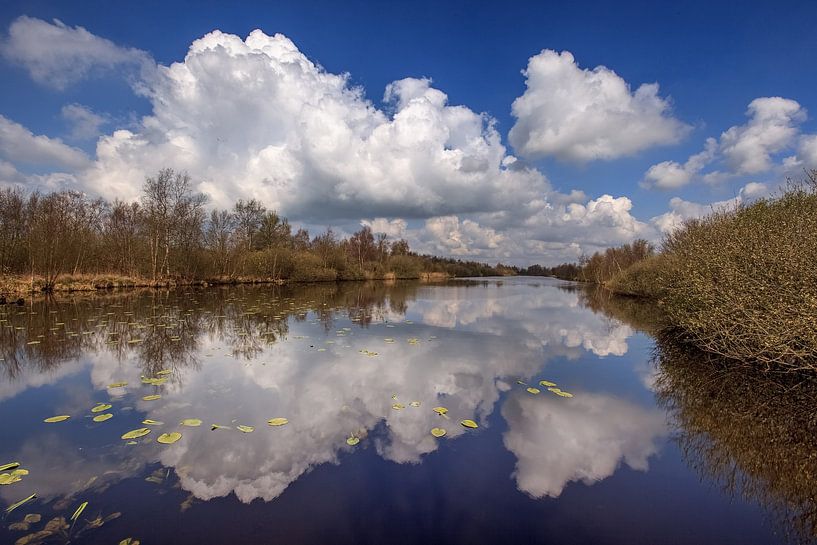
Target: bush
404, 266
309, 268
743, 282
643, 278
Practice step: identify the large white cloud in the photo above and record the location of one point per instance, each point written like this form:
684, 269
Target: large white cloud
583, 115
256, 118
58, 55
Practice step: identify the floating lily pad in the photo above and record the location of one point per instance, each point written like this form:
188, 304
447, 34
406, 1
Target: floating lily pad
102, 417
24, 501
79, 510
163, 372
440, 410
118, 385
192, 422
60, 418
169, 438
547, 383
245, 429
437, 432
398, 406
12, 465
101, 407
277, 421
153, 397
415, 403
135, 434
9, 478
352, 441
32, 518
469, 423
149, 422
533, 390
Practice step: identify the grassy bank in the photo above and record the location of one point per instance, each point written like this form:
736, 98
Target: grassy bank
15, 286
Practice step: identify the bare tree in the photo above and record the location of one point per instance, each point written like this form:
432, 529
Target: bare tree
171, 212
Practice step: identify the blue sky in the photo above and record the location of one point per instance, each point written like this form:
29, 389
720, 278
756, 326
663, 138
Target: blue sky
711, 60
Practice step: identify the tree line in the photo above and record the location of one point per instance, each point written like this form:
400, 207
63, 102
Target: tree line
170, 235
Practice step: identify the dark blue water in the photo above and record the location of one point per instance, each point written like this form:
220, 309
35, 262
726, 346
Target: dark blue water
608, 465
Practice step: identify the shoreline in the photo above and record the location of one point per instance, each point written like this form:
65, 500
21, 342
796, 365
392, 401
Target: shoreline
14, 287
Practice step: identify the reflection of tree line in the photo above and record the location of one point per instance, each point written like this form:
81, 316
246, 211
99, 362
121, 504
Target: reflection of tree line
164, 329
753, 433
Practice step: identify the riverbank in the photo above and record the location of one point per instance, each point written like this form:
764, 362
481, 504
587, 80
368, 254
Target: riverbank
740, 283
12, 287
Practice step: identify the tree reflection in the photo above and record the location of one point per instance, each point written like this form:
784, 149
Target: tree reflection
753, 433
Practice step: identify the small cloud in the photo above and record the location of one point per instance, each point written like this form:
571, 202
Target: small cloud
58, 55
85, 123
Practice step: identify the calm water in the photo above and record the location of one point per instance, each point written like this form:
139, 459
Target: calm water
637, 455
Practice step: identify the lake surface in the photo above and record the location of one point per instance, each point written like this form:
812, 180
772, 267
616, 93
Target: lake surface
638, 454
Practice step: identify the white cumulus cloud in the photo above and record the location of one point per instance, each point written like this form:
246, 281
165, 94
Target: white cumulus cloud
747, 149
583, 115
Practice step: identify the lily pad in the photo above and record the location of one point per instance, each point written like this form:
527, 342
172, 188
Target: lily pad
152, 397
12, 465
440, 410
9, 478
79, 510
101, 407
437, 432
547, 383
415, 404
24, 501
60, 418
169, 438
149, 422
192, 422
533, 390
277, 421
118, 385
398, 406
352, 440
469, 423
135, 434
245, 429
102, 417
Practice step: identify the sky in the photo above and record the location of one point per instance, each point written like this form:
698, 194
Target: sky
521, 132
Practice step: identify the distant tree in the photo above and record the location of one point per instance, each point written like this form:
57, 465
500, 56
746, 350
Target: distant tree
171, 212
248, 218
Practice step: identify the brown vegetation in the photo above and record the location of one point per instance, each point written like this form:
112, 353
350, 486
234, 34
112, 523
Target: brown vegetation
66, 241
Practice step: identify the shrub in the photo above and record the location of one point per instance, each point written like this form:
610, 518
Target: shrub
404, 266
743, 282
642, 279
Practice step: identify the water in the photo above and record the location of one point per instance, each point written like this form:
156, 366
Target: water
631, 458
